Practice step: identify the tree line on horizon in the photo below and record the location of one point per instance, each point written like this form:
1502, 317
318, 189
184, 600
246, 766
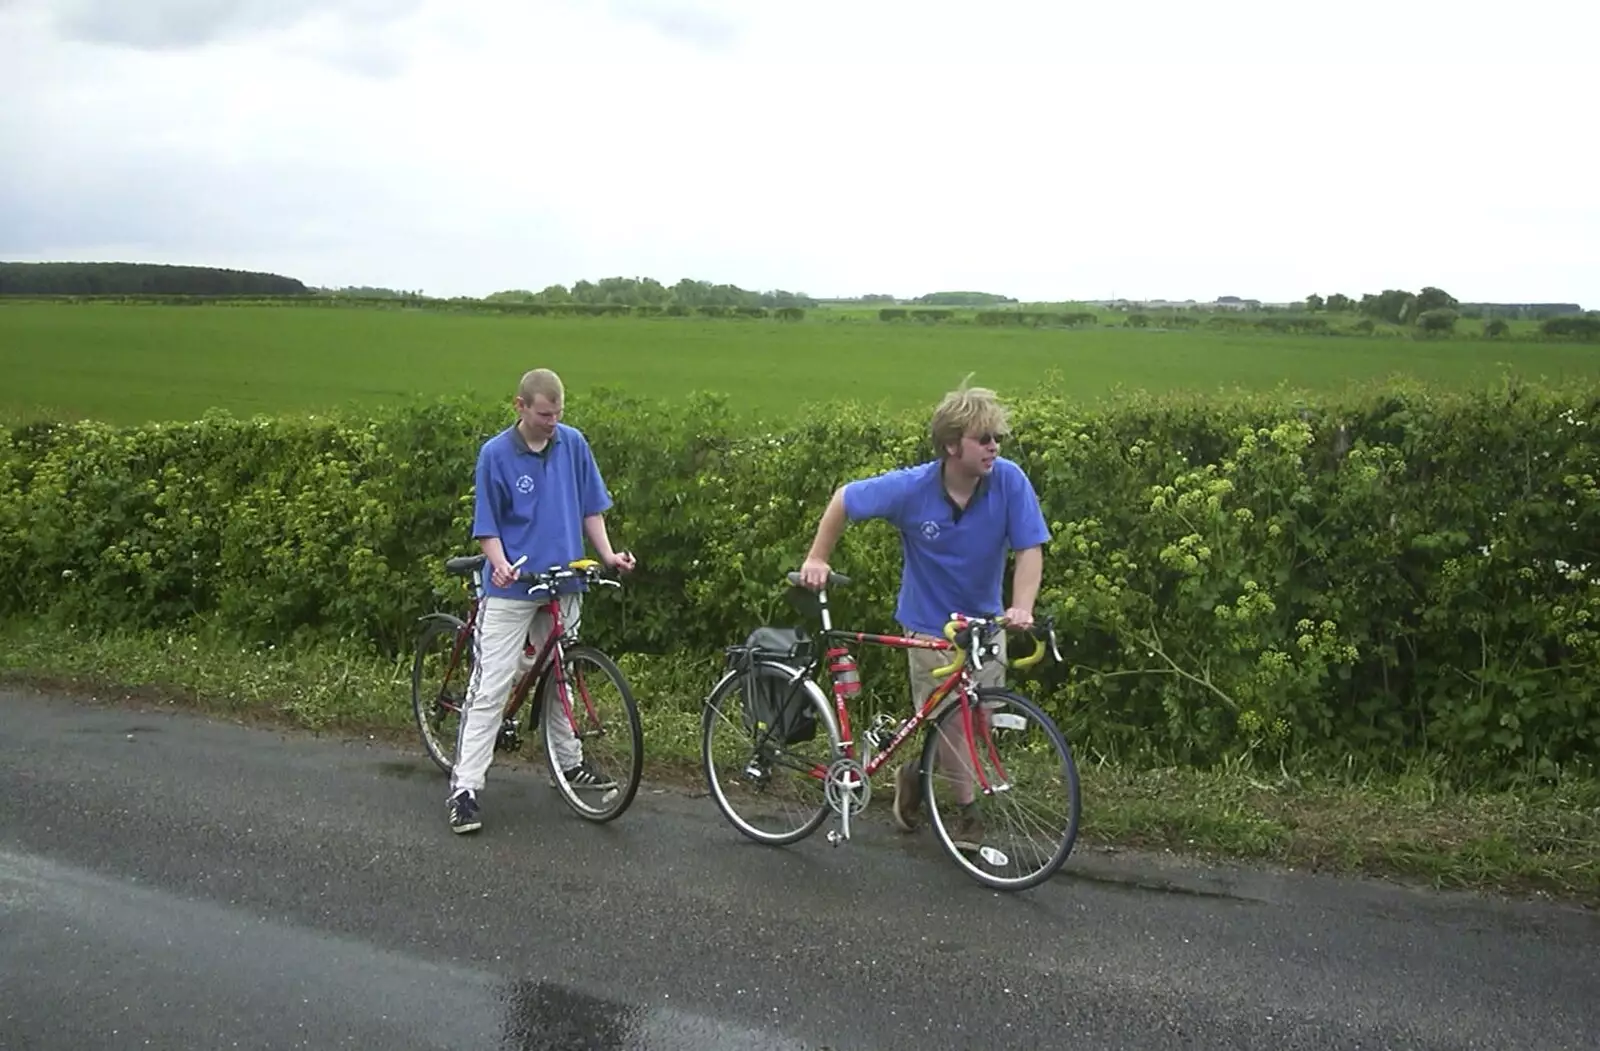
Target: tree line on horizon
1431, 307
141, 279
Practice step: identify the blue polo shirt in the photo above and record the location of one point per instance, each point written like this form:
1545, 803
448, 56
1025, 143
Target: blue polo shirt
955, 559
535, 502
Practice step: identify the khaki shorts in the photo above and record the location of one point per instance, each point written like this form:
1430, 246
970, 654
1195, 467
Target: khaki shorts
923, 662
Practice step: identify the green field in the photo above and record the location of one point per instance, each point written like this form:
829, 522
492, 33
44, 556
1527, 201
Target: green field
127, 364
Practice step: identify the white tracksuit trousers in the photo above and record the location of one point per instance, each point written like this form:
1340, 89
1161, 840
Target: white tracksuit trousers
498, 661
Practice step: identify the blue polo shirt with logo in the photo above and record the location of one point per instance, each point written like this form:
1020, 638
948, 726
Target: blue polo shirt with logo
955, 558
535, 502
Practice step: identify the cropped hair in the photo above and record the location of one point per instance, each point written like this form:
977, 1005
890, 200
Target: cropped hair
540, 381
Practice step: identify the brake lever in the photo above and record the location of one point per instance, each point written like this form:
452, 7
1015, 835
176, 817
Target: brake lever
1048, 627
983, 638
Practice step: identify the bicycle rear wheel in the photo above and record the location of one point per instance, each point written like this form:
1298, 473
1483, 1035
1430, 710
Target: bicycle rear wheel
590, 712
773, 791
1018, 834
440, 671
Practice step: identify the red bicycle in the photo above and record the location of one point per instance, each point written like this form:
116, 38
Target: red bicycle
569, 681
996, 773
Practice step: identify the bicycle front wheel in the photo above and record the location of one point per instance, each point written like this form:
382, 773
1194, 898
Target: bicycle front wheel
591, 731
1009, 820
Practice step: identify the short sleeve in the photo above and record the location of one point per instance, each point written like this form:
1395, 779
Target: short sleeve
880, 497
593, 497
1025, 524
485, 523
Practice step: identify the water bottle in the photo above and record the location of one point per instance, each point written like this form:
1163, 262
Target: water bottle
846, 676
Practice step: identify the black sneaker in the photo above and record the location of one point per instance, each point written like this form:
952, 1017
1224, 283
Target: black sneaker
464, 812
587, 775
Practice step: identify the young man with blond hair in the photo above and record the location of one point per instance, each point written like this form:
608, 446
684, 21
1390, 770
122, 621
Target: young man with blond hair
539, 494
958, 515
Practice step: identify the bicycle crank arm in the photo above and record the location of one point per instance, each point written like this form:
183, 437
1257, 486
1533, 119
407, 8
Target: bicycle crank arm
835, 837
842, 833
847, 789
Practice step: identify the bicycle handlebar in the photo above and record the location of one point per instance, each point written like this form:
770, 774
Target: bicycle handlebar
960, 631
585, 569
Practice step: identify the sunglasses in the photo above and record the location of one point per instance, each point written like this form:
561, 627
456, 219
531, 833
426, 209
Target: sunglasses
987, 438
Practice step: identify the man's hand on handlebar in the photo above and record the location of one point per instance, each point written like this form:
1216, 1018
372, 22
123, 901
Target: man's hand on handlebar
1017, 619
964, 631
504, 573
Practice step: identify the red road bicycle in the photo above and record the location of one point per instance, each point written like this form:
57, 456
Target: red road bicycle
566, 679
996, 774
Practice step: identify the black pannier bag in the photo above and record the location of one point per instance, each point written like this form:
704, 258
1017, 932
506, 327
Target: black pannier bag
771, 701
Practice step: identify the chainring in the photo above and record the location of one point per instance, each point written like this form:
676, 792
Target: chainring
847, 785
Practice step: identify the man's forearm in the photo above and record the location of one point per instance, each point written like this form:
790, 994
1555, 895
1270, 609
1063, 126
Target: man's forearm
594, 527
493, 549
829, 529
1025, 578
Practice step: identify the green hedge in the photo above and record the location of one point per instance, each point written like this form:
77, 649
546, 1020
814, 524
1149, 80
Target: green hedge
1402, 573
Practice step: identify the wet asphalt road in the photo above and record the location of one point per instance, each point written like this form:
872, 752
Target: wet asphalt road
172, 882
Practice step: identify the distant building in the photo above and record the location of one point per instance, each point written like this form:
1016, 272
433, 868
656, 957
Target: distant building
1235, 303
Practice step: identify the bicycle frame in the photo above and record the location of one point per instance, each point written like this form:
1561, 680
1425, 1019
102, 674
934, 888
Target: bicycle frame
959, 681
552, 649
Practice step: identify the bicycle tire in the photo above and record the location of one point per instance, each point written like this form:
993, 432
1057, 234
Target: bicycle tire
616, 800
441, 749
713, 718
1069, 780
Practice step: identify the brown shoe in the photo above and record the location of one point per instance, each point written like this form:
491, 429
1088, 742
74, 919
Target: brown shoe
907, 797
966, 831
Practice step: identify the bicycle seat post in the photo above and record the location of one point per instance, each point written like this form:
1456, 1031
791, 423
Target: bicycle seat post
822, 608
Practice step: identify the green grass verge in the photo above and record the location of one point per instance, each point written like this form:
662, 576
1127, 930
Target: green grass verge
1541, 839
132, 364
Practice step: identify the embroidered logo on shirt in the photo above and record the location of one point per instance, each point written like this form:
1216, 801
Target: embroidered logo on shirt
525, 484
930, 530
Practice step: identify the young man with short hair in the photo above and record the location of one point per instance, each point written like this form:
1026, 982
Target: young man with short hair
538, 495
958, 515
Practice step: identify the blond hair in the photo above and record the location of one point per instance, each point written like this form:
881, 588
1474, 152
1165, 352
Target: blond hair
541, 381
965, 409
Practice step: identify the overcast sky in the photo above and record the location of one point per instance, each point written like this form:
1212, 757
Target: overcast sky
1051, 149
